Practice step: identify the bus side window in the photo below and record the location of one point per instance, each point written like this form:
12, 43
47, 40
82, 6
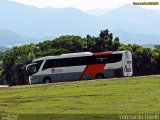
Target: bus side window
67, 62
73, 62
99, 60
46, 65
84, 61
64, 62
113, 58
49, 64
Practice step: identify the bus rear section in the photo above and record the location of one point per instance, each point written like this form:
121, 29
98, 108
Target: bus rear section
127, 64
79, 66
106, 65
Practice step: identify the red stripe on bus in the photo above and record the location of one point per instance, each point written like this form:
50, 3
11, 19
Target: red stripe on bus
92, 70
102, 53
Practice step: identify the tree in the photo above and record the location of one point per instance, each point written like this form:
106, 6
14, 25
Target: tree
156, 61
91, 41
104, 41
71, 43
116, 44
15, 61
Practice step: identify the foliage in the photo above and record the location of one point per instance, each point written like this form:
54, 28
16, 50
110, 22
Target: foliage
145, 61
15, 61
116, 44
1, 62
104, 41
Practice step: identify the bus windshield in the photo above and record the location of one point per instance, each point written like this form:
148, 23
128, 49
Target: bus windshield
34, 67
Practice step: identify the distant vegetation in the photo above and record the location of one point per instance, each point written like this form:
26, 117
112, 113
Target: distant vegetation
145, 60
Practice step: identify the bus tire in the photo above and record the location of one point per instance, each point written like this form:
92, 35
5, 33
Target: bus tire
47, 80
100, 76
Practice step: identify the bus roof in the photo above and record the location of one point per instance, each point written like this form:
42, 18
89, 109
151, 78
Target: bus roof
80, 54
69, 55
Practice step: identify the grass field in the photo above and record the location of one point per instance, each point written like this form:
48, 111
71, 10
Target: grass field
139, 95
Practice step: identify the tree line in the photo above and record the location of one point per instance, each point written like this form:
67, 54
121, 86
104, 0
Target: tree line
146, 61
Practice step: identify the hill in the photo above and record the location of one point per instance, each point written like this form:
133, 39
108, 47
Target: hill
98, 12
84, 99
8, 37
40, 23
67, 21
138, 38
133, 19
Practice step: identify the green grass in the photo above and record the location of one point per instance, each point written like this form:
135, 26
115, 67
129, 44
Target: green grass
140, 95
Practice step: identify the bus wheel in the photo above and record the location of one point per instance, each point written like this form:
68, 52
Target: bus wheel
100, 76
47, 80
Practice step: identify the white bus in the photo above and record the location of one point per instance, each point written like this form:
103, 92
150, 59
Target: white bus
80, 66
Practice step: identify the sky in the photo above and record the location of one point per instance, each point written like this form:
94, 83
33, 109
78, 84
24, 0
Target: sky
87, 4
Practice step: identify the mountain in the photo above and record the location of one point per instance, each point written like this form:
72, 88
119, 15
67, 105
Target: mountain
8, 37
149, 46
98, 12
39, 23
138, 38
16, 16
133, 19
137, 25
66, 21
